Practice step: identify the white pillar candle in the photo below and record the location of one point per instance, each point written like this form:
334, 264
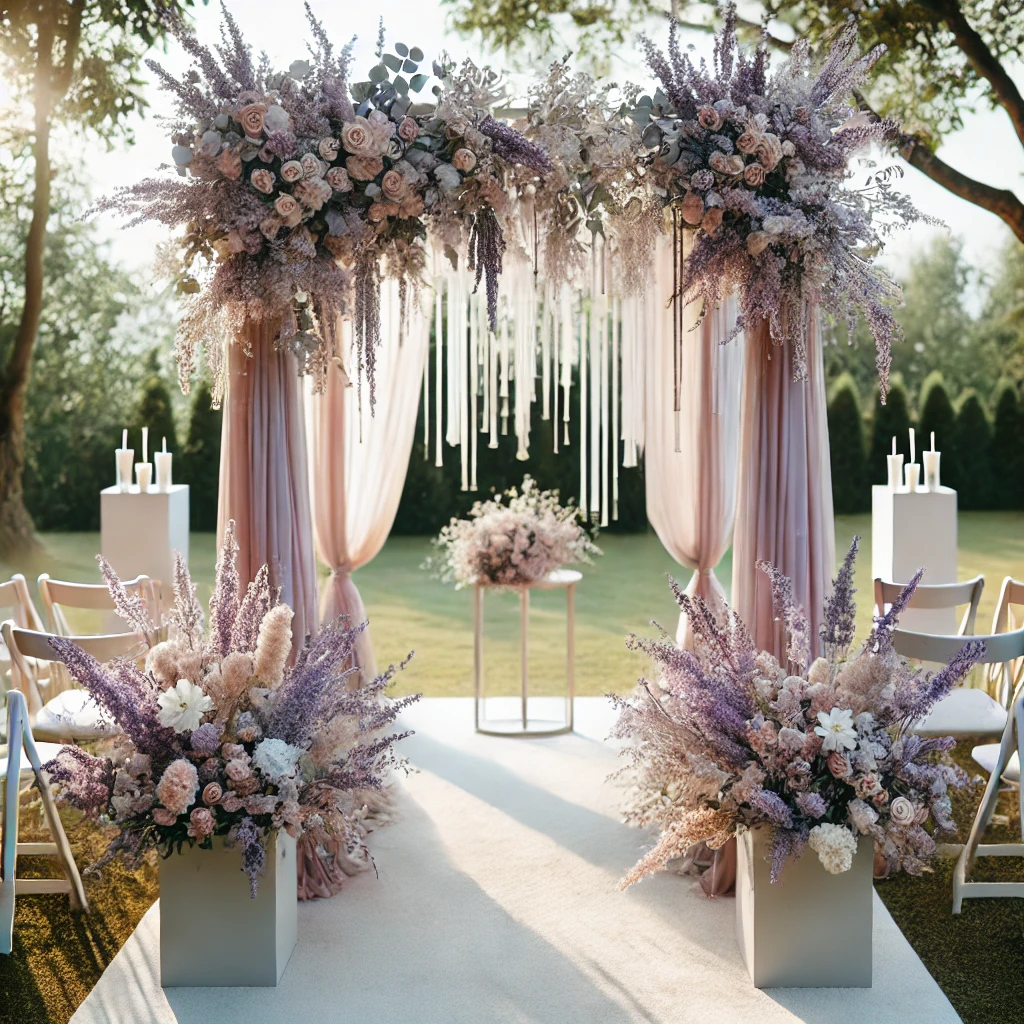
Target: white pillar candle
931, 469
895, 463
163, 470
125, 458
913, 471
143, 476
913, 450
145, 443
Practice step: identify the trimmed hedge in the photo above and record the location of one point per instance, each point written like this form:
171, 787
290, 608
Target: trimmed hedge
850, 487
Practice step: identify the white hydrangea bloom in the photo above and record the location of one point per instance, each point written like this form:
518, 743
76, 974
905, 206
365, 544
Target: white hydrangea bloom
835, 846
275, 758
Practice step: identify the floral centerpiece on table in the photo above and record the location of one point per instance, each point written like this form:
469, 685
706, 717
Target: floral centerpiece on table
819, 753
513, 543
755, 164
219, 737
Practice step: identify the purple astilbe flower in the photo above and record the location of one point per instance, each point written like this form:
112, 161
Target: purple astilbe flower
249, 836
787, 611
366, 764
224, 600
129, 607
880, 639
486, 250
86, 781
916, 697
126, 694
257, 602
839, 624
205, 739
187, 617
772, 808
514, 148
811, 804
786, 843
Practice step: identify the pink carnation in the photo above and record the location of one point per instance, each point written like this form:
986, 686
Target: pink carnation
178, 786
200, 823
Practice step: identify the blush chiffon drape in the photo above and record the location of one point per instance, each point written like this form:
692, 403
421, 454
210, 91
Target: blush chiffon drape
264, 482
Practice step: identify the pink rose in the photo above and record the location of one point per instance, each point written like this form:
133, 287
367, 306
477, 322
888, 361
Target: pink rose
711, 223
709, 118
757, 242
200, 823
867, 786
285, 205
328, 149
357, 138
251, 118
394, 186
881, 798
364, 168
263, 180
902, 811
382, 128
310, 166
769, 150
338, 179
237, 770
231, 802
408, 130
229, 163
232, 751
270, 226
753, 175
693, 208
164, 817
312, 192
747, 142
464, 160
728, 165
291, 171
260, 804
212, 793
839, 766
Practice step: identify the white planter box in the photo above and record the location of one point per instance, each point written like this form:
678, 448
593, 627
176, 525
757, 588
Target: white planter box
212, 933
810, 929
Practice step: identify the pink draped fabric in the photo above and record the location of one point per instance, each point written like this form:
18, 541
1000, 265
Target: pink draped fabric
691, 493
784, 506
360, 459
264, 483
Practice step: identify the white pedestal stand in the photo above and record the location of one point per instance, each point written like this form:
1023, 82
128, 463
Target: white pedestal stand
911, 529
560, 579
139, 532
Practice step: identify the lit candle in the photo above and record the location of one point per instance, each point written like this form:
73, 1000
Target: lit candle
913, 470
124, 438
913, 451
931, 467
123, 459
895, 463
163, 468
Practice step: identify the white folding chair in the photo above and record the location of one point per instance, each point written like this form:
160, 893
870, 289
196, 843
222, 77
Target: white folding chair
70, 715
26, 758
15, 596
934, 596
58, 595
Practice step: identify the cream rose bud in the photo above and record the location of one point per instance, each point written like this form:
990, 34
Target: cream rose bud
328, 149
757, 242
263, 180
310, 166
252, 118
357, 138
747, 142
902, 811
408, 130
394, 186
712, 220
723, 164
285, 206
364, 168
229, 163
753, 175
693, 208
788, 149
464, 160
276, 119
338, 179
709, 118
291, 171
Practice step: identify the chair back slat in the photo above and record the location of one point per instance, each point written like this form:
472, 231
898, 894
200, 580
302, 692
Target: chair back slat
32, 644
14, 594
57, 595
935, 596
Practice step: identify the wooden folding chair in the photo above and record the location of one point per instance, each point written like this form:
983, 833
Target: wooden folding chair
68, 714
14, 595
58, 595
25, 757
934, 596
1006, 619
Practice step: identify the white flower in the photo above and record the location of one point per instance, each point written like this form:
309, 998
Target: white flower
182, 706
275, 758
836, 730
835, 846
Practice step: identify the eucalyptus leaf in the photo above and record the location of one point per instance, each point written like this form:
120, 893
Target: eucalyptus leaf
393, 62
418, 81
410, 67
372, 190
378, 74
416, 53
640, 116
437, 69
400, 107
436, 90
221, 122
299, 69
401, 49
400, 84
645, 101
181, 155
364, 108
652, 136
361, 90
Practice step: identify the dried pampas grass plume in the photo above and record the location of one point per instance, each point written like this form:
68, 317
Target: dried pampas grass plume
273, 646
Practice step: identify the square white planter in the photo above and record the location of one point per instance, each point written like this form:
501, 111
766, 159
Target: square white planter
811, 929
212, 933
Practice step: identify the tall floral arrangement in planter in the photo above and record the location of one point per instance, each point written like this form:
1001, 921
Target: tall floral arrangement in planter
216, 736
755, 163
514, 542
817, 753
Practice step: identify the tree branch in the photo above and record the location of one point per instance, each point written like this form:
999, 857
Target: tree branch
1002, 202
982, 59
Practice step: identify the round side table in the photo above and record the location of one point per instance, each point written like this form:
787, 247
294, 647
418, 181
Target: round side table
524, 725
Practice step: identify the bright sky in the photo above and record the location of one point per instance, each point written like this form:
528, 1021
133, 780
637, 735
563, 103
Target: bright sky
986, 148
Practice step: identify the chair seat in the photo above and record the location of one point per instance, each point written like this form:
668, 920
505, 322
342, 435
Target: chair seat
964, 712
986, 755
47, 752
71, 715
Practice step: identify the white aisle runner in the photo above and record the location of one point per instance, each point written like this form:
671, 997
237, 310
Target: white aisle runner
497, 904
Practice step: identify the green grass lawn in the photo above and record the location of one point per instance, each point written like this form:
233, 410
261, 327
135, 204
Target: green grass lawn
621, 593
